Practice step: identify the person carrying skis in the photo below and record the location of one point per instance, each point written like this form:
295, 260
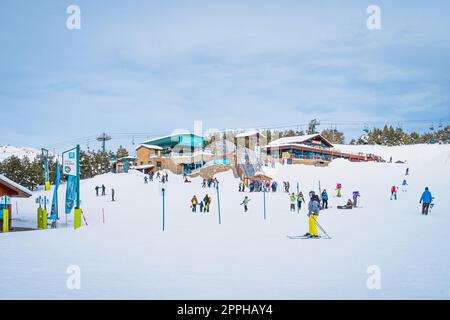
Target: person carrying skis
404, 185
96, 190
426, 199
300, 199
355, 198
245, 203
394, 192
313, 213
194, 203
324, 199
293, 198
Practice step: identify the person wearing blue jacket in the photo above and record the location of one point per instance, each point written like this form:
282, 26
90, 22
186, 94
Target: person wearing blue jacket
426, 199
324, 199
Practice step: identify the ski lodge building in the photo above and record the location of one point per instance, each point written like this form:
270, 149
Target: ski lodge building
10, 189
310, 147
180, 153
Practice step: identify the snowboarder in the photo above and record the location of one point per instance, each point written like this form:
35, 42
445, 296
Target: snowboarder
293, 198
96, 190
313, 212
404, 185
338, 189
194, 203
426, 199
103, 190
113, 193
245, 203
324, 199
355, 198
349, 205
394, 192
300, 199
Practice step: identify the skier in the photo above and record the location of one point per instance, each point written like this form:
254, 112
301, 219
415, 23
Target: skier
339, 188
240, 186
194, 203
96, 190
167, 176
300, 199
245, 203
355, 198
201, 206
293, 198
204, 183
349, 205
145, 180
407, 172
324, 199
313, 212
158, 175
404, 185
394, 192
103, 190
426, 199
113, 193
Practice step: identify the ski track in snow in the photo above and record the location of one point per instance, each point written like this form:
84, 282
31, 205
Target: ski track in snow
246, 257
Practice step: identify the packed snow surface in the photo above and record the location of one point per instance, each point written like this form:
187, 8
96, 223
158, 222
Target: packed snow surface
246, 257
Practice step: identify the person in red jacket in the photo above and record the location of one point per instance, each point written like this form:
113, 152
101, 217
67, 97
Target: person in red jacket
394, 192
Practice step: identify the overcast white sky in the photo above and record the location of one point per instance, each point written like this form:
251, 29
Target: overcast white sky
155, 66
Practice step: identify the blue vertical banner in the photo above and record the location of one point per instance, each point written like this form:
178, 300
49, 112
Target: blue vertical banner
71, 193
54, 213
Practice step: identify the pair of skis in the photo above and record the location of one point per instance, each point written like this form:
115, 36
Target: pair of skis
327, 237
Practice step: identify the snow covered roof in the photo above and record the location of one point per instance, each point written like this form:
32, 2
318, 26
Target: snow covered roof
22, 192
286, 141
149, 146
249, 133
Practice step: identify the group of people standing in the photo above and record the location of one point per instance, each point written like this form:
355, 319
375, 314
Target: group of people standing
164, 177
103, 188
210, 182
204, 205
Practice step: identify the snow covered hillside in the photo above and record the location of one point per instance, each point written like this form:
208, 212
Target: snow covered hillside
8, 151
247, 256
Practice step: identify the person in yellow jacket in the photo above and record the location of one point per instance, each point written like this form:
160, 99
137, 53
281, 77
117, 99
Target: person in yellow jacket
194, 203
313, 213
293, 198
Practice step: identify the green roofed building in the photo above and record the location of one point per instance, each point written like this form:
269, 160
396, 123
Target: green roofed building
179, 152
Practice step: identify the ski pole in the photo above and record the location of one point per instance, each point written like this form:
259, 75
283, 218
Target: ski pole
321, 229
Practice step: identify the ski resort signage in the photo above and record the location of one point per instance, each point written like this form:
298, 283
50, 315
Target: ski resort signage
70, 162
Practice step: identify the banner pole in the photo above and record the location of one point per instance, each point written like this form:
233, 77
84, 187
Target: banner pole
78, 176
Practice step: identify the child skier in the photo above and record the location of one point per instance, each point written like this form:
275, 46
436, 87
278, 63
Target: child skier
201, 206
404, 185
194, 203
355, 198
245, 203
394, 192
293, 198
313, 212
324, 199
426, 199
